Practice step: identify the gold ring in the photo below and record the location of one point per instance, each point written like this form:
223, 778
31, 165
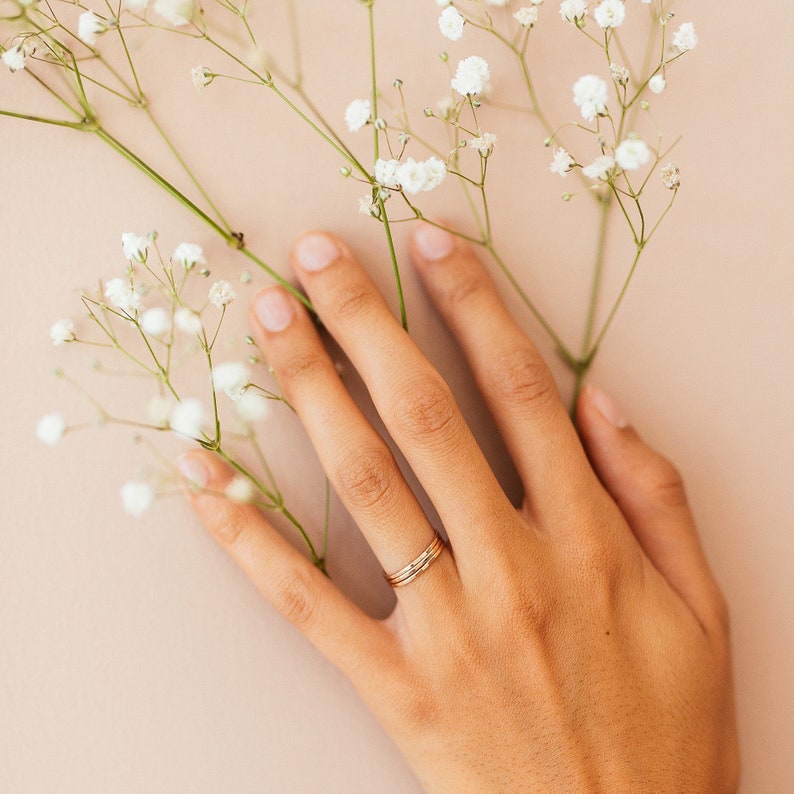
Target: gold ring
419, 565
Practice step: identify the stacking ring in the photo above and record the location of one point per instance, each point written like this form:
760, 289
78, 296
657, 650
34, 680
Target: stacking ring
419, 565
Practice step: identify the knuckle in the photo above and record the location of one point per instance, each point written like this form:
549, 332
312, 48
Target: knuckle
349, 302
228, 521
295, 598
425, 409
417, 710
664, 484
520, 377
464, 288
366, 477
302, 366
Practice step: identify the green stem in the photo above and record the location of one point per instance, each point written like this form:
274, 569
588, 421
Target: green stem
384, 216
561, 346
619, 300
595, 290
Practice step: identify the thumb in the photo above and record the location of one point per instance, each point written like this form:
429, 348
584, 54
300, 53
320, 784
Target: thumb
650, 493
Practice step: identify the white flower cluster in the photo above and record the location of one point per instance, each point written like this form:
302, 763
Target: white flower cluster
358, 114
412, 176
471, 76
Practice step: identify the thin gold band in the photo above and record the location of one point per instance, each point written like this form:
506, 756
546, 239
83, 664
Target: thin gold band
419, 565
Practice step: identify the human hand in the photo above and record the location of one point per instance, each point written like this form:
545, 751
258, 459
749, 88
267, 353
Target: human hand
576, 644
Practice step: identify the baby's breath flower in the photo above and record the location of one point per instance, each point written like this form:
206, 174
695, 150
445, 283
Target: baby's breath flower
610, 13
187, 417
123, 295
484, 144
590, 94
188, 321
620, 74
573, 10
15, 58
632, 154
156, 321
526, 16
62, 331
443, 3
90, 27
136, 497
134, 246
177, 12
252, 406
231, 377
50, 429
386, 172
240, 490
357, 114
189, 255
201, 76
367, 207
499, 3
685, 38
159, 409
414, 177
450, 23
599, 168
471, 76
657, 84
671, 176
221, 294
135, 5
562, 162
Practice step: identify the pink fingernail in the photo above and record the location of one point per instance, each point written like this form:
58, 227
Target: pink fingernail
196, 473
608, 408
434, 243
316, 251
273, 308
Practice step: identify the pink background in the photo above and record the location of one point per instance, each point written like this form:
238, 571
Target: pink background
133, 655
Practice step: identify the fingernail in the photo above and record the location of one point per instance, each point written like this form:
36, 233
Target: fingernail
196, 473
316, 251
607, 407
434, 243
273, 309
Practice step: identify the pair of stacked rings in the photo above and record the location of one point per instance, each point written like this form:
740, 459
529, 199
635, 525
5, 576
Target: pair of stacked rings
418, 566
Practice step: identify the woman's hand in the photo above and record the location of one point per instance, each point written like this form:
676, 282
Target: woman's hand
577, 644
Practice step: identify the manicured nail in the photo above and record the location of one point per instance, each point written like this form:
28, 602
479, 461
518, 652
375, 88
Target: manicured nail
196, 473
434, 243
607, 407
316, 251
273, 308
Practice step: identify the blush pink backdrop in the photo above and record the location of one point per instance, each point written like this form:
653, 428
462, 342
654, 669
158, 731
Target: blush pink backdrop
134, 656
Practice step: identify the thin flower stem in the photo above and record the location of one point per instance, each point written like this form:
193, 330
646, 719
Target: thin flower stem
384, 215
395, 266
617, 303
595, 291
563, 349
267, 81
326, 517
72, 125
187, 169
318, 561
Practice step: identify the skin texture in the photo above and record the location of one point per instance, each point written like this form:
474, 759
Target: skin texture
577, 644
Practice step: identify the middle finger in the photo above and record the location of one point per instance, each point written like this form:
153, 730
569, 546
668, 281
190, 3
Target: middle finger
415, 403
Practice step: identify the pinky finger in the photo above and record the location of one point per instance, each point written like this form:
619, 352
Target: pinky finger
353, 641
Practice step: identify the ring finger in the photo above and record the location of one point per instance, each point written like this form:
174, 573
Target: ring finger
357, 460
